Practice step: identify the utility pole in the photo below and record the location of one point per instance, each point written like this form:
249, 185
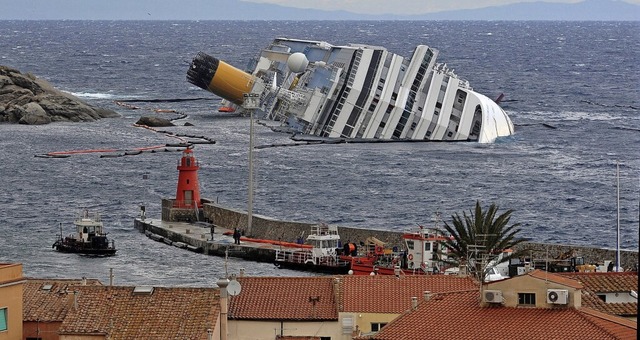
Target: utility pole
251, 103
250, 203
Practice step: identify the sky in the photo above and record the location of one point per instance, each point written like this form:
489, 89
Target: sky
402, 6
231, 9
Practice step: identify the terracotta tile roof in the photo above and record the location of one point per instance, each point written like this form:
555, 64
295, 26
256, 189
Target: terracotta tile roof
459, 316
388, 294
609, 282
556, 278
166, 313
591, 300
48, 300
284, 298
619, 327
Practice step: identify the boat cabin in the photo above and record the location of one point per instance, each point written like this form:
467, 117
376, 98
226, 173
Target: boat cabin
88, 227
324, 239
426, 250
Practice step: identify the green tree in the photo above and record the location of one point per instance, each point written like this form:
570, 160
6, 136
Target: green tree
480, 233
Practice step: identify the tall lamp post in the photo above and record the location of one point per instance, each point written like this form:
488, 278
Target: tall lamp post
250, 203
251, 102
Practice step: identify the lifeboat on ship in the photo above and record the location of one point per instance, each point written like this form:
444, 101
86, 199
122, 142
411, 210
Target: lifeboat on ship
226, 109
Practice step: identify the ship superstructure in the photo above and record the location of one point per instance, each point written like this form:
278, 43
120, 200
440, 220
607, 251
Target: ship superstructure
355, 92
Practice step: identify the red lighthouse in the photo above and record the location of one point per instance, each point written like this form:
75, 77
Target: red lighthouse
188, 192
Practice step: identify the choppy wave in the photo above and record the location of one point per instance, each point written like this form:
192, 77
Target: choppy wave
559, 177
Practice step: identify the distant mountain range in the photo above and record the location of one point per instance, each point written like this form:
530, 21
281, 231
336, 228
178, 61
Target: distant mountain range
588, 10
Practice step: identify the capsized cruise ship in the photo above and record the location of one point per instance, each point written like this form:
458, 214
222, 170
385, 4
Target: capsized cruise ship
356, 92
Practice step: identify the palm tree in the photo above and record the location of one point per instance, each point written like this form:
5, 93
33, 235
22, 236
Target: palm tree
480, 233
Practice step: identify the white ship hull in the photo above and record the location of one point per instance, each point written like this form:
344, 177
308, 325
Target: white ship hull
356, 92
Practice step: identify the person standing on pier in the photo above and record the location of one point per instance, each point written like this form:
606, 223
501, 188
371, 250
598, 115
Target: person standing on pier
236, 235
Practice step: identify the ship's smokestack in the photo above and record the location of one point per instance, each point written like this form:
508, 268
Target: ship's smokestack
220, 78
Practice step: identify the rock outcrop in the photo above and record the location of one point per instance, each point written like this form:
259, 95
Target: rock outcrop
154, 121
26, 99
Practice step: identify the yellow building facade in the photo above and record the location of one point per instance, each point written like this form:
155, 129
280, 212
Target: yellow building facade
11, 301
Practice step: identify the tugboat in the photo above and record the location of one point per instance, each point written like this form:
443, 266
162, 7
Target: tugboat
89, 237
322, 257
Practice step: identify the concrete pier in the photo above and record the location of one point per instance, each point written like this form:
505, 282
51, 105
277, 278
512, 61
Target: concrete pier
174, 227
196, 237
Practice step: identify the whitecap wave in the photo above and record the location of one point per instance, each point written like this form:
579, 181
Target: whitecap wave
93, 95
101, 95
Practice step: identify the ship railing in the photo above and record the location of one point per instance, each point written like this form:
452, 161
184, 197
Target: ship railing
296, 256
84, 214
324, 229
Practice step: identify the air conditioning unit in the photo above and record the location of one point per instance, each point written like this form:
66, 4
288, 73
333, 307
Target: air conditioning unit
492, 296
557, 296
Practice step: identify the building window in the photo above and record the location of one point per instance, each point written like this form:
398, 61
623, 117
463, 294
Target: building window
325, 338
527, 299
31, 338
377, 326
3, 319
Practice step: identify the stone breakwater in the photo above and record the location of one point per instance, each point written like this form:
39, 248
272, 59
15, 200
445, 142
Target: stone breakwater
25, 99
273, 229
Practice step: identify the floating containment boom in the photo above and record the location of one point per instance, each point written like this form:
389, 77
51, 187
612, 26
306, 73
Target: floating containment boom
357, 92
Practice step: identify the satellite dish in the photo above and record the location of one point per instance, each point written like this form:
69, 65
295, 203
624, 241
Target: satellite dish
234, 288
297, 62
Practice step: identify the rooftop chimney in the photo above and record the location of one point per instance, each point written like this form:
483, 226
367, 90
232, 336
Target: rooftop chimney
427, 295
75, 300
414, 302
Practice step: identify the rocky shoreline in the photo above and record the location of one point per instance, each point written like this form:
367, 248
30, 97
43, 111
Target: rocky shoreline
26, 99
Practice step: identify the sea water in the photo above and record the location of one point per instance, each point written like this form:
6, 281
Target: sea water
572, 90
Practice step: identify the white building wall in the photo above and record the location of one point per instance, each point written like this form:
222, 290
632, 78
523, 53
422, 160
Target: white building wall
268, 330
